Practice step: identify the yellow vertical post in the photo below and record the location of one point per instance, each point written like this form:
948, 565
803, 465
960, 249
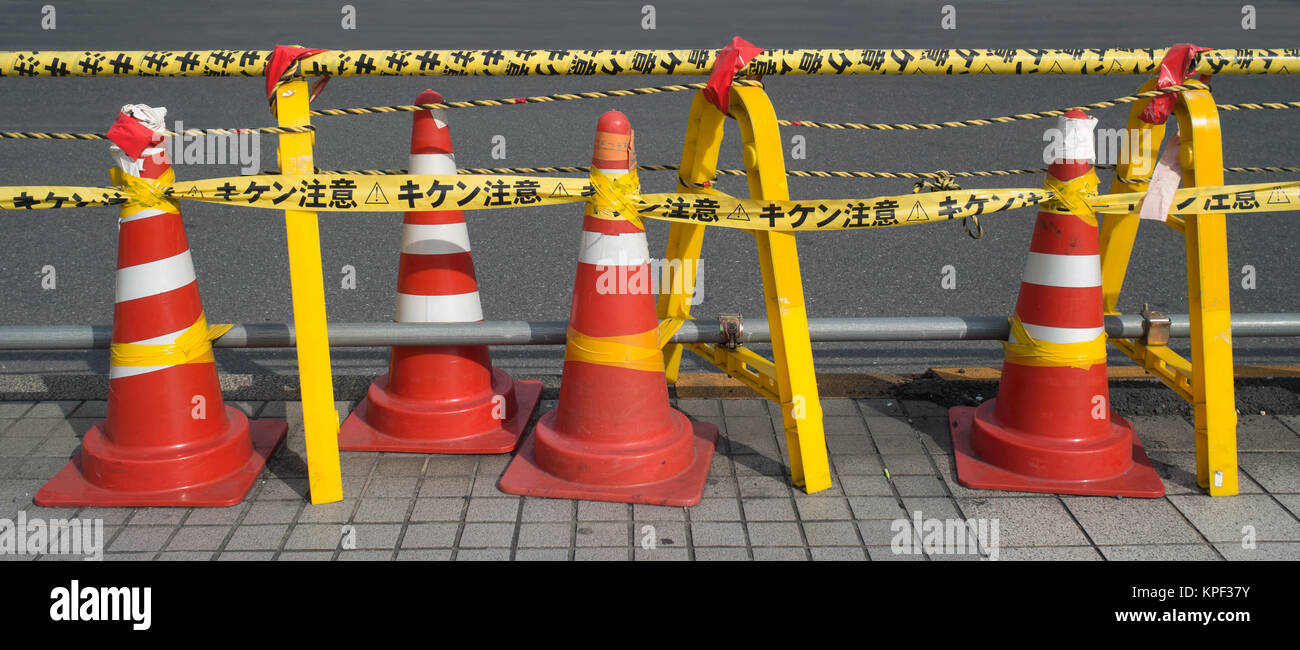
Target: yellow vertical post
1208, 305
1119, 231
790, 380
787, 318
685, 240
320, 419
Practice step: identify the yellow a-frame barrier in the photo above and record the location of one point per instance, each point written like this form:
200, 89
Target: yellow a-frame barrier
1205, 381
788, 379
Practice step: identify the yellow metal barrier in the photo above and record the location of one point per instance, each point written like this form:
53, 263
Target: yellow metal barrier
1206, 380
789, 379
320, 420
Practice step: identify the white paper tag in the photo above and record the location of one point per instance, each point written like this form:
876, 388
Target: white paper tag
1077, 134
1164, 183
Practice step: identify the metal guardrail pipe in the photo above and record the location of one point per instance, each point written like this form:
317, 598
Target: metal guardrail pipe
941, 328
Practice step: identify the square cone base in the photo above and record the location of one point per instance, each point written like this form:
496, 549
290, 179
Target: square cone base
524, 477
1139, 481
70, 488
357, 435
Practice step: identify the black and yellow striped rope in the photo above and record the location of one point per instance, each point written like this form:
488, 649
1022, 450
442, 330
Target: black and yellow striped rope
599, 94
802, 173
31, 135
513, 101
922, 126
666, 168
1276, 106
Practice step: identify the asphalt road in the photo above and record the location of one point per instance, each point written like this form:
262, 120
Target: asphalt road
525, 258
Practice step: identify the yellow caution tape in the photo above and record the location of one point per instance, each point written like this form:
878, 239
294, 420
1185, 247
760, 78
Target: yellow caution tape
835, 214
1255, 197
396, 193
147, 192
192, 346
406, 192
1073, 196
350, 63
616, 199
45, 197
640, 351
359, 193
1028, 351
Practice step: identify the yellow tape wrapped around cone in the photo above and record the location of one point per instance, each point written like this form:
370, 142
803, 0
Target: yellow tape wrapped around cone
638, 351
145, 193
1073, 196
192, 346
619, 197
1025, 350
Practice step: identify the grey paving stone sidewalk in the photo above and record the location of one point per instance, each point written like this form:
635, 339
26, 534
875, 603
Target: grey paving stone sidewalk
890, 460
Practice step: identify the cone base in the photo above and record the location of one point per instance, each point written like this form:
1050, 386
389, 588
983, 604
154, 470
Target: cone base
1139, 480
441, 432
71, 488
524, 477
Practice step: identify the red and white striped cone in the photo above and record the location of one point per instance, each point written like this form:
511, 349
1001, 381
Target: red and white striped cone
613, 435
446, 399
169, 439
1051, 428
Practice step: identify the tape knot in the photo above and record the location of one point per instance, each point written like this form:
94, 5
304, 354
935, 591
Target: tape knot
616, 199
942, 181
193, 345
1074, 196
147, 192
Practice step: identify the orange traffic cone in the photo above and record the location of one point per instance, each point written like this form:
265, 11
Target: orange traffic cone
1051, 429
448, 399
613, 436
169, 439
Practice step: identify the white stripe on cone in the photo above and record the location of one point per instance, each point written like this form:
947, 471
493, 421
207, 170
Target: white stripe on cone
455, 308
625, 249
153, 278
1053, 270
435, 239
433, 163
1062, 334
118, 372
143, 214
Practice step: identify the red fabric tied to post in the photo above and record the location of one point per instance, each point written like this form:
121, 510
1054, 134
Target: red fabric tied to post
1174, 70
731, 60
281, 59
131, 135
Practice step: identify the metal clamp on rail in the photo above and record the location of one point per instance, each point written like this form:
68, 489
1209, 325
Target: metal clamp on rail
1155, 326
732, 327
